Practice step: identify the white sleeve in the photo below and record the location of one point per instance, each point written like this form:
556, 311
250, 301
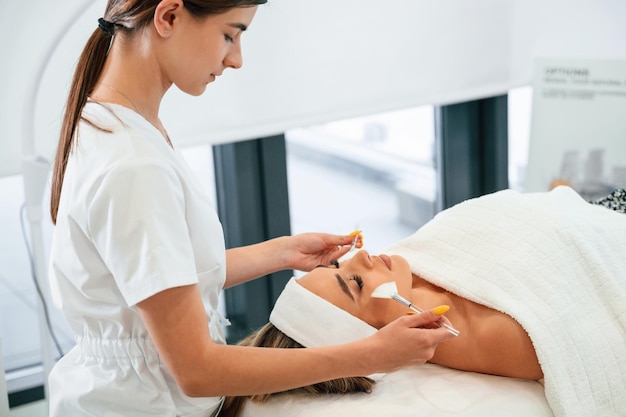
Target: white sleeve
137, 222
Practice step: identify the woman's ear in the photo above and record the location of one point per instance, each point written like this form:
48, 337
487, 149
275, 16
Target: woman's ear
166, 16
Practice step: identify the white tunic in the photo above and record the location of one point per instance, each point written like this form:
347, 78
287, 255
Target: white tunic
132, 221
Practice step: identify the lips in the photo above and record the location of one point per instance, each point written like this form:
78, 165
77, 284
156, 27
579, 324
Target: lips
386, 260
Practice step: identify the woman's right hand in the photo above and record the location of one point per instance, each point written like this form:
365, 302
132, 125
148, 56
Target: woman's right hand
408, 340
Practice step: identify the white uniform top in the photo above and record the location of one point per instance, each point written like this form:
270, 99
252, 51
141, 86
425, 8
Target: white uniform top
132, 221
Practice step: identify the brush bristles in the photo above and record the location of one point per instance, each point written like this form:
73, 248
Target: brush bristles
385, 290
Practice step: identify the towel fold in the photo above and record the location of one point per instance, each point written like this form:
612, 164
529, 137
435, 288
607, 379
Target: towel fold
556, 264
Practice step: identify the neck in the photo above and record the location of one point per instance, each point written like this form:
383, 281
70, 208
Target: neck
132, 74
133, 79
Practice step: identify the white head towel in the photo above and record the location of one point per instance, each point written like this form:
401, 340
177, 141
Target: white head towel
312, 321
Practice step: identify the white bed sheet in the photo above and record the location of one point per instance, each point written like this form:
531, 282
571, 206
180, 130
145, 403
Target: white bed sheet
419, 391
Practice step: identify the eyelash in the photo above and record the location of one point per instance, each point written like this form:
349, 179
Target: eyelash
229, 38
358, 280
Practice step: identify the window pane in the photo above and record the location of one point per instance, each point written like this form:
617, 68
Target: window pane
19, 301
374, 173
520, 106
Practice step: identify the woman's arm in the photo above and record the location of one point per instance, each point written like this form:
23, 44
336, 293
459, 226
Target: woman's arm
177, 324
302, 252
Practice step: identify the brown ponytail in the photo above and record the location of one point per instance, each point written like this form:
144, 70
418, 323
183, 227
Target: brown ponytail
86, 75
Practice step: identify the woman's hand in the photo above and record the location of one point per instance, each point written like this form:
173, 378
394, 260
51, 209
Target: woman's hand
307, 250
302, 252
408, 340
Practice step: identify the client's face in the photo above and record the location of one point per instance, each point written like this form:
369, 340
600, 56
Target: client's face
350, 285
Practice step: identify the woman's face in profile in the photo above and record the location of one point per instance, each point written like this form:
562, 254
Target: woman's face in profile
350, 284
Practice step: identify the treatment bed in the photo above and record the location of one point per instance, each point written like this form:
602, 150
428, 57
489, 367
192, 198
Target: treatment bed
552, 261
420, 391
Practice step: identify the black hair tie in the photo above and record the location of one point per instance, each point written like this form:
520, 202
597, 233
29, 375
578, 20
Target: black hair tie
106, 26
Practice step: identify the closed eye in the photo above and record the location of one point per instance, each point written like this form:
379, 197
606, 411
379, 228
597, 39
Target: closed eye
332, 263
240, 27
342, 282
358, 280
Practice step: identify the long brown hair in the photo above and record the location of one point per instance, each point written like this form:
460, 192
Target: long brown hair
127, 16
269, 336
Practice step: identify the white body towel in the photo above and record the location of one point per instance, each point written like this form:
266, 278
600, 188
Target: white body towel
558, 266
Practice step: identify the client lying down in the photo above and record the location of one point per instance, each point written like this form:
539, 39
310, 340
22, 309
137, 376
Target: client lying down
536, 285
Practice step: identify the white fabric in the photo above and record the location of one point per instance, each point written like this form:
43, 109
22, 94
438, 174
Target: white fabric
312, 321
132, 222
421, 391
557, 265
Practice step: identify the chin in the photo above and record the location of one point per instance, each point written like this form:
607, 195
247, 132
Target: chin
400, 262
199, 91
195, 91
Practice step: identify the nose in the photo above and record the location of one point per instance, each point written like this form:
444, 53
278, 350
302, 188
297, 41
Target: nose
234, 58
362, 257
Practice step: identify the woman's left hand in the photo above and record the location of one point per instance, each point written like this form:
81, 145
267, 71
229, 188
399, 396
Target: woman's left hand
308, 250
302, 252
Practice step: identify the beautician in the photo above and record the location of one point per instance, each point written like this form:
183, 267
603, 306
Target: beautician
138, 256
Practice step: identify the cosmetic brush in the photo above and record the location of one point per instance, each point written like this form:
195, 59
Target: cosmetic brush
356, 234
390, 290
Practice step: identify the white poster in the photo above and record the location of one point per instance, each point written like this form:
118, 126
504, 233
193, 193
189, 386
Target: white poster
578, 127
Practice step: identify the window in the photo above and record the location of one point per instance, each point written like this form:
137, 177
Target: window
19, 301
378, 173
374, 173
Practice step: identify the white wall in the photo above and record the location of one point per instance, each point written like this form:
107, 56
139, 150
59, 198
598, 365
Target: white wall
309, 62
